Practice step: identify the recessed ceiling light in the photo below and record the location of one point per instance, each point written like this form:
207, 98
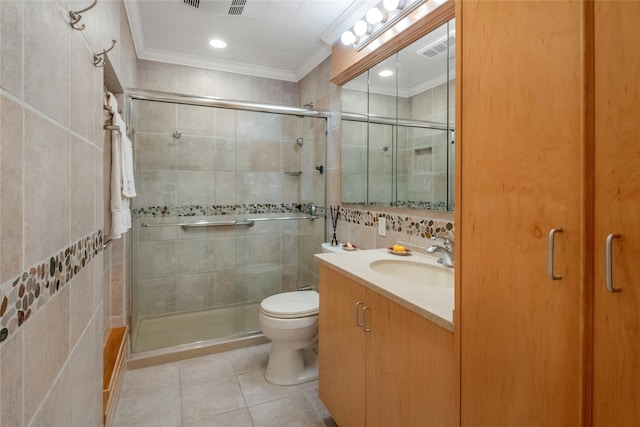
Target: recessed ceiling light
217, 43
385, 73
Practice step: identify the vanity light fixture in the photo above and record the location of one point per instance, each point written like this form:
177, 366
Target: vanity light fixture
217, 43
379, 19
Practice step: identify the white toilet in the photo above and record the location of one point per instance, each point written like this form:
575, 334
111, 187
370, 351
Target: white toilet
290, 321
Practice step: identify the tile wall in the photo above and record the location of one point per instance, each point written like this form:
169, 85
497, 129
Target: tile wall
54, 300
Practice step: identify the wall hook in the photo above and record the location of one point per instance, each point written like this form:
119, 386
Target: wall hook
98, 58
76, 17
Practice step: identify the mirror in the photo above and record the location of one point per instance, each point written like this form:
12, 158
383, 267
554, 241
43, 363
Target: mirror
398, 127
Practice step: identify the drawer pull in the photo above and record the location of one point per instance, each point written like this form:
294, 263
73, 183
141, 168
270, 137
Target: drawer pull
358, 324
552, 234
608, 263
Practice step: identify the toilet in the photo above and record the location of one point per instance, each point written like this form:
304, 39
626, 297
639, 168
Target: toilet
290, 321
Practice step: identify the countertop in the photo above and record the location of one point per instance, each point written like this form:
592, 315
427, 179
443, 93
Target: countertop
433, 303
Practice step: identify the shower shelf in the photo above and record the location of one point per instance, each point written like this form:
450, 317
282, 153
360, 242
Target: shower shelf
293, 173
244, 222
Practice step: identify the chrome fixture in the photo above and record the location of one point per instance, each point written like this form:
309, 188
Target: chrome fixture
446, 249
98, 58
177, 134
300, 142
308, 105
320, 169
76, 16
243, 222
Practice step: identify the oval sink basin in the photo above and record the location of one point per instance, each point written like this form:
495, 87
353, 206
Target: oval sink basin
416, 272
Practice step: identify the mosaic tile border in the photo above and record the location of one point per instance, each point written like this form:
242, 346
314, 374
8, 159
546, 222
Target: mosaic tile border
424, 227
212, 210
21, 297
416, 204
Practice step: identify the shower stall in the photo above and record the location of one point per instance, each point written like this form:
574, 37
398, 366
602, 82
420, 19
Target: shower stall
230, 210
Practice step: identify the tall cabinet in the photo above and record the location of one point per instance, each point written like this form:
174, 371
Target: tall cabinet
548, 169
616, 380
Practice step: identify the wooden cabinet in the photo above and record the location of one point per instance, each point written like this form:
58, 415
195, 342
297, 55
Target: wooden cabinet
400, 373
548, 124
616, 345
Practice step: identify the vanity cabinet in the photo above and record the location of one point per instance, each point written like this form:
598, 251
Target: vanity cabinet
394, 370
548, 135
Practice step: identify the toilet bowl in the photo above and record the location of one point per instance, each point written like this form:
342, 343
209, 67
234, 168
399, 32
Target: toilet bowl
290, 321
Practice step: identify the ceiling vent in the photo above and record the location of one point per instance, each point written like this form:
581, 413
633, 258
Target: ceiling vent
437, 47
237, 6
194, 3
219, 7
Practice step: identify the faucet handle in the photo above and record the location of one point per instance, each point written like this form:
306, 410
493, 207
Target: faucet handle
448, 244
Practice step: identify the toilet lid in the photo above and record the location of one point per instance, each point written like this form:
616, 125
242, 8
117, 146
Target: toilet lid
291, 304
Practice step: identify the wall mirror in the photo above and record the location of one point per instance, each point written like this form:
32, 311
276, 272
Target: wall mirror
398, 127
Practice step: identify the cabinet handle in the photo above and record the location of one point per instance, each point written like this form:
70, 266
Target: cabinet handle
358, 324
364, 318
608, 263
552, 234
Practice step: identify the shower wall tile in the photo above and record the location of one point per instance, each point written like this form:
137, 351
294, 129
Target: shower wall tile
156, 259
117, 289
46, 346
154, 234
83, 208
46, 185
82, 89
155, 296
196, 153
11, 374
156, 117
206, 255
11, 45
155, 151
224, 157
196, 187
195, 120
258, 250
156, 188
265, 156
224, 287
81, 289
11, 188
47, 42
83, 377
225, 122
195, 81
233, 86
195, 291
157, 76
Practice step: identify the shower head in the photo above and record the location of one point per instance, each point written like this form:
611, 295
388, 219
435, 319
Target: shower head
300, 142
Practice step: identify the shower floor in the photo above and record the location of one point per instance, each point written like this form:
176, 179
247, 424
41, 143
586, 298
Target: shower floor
176, 329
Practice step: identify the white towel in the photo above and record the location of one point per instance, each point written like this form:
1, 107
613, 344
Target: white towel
122, 183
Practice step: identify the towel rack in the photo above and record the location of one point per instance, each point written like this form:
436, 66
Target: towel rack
243, 222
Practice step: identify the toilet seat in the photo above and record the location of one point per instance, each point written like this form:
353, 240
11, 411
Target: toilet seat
291, 305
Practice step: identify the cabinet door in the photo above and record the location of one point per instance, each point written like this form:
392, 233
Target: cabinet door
342, 362
617, 198
521, 147
410, 377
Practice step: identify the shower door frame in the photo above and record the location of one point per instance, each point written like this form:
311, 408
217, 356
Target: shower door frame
214, 102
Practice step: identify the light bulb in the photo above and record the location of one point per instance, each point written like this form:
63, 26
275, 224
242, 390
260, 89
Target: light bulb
393, 4
374, 16
360, 28
218, 44
348, 38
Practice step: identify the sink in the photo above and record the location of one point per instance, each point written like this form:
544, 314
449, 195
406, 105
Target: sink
415, 272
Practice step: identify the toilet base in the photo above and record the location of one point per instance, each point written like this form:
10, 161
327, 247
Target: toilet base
290, 367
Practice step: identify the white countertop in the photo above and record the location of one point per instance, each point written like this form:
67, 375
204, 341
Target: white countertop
433, 303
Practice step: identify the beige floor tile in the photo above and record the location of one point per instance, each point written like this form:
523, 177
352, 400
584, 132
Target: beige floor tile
204, 369
292, 410
251, 358
144, 380
318, 406
212, 398
237, 418
153, 407
257, 390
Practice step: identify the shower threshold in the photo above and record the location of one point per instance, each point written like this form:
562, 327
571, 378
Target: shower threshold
195, 327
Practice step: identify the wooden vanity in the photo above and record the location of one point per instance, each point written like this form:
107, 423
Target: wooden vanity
386, 359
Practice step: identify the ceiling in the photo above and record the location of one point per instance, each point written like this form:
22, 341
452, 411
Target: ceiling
279, 39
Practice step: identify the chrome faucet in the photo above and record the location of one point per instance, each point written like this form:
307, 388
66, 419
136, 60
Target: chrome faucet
446, 249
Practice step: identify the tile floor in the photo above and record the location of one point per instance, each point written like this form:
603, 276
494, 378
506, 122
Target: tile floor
225, 389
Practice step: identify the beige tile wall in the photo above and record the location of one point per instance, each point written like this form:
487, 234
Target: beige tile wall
51, 197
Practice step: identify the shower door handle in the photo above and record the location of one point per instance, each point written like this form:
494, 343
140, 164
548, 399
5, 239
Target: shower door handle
358, 324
